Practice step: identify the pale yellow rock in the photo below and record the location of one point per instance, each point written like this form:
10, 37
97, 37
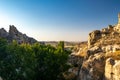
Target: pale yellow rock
109, 69
116, 70
112, 69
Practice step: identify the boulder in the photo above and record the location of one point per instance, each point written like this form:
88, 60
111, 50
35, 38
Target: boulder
93, 37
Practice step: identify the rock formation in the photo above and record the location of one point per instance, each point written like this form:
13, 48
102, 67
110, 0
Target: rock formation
102, 55
93, 67
3, 33
103, 37
14, 34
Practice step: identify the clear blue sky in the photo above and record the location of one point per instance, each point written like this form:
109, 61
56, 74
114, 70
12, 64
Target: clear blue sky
51, 20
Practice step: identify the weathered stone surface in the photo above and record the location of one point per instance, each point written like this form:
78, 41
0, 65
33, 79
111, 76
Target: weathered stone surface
116, 68
112, 69
93, 37
94, 50
109, 69
110, 48
93, 67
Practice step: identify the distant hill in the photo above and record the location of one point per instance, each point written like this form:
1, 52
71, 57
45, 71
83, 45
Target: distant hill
66, 43
14, 34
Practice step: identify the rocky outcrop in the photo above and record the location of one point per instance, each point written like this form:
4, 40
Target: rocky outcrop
102, 56
18, 36
14, 34
103, 37
93, 37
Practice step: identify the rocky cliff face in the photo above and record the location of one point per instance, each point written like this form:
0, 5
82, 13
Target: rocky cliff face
102, 55
14, 34
102, 61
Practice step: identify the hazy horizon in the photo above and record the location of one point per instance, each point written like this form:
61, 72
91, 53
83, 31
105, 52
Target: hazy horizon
55, 20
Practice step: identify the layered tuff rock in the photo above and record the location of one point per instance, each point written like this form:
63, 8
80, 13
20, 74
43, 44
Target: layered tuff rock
14, 34
112, 69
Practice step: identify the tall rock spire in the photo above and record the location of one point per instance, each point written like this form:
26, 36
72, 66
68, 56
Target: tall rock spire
118, 18
117, 28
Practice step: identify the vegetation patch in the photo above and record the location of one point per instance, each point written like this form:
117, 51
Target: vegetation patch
32, 61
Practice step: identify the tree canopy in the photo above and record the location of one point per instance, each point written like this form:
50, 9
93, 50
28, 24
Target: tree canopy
32, 61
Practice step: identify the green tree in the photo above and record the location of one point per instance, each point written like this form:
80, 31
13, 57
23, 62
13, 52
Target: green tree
32, 61
3, 44
51, 62
60, 46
